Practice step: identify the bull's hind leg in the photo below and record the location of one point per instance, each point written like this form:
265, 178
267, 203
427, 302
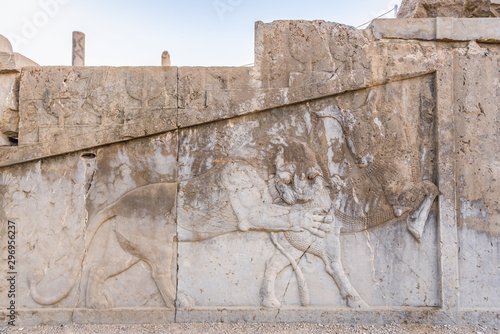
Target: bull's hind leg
417, 219
274, 266
333, 266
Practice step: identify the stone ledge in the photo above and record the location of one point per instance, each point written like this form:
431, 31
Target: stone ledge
54, 316
323, 315
440, 29
232, 314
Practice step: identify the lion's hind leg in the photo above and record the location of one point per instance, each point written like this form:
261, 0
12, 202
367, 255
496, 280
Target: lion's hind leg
109, 265
161, 259
276, 264
161, 263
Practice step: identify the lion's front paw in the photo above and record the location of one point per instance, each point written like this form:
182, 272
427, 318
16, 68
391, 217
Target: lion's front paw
185, 301
102, 301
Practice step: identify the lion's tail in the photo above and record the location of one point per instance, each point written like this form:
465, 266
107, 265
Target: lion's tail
92, 227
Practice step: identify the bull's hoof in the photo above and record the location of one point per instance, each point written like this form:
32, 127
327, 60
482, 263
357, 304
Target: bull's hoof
270, 301
356, 302
415, 227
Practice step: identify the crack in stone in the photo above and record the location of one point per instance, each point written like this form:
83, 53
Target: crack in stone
176, 236
372, 263
88, 185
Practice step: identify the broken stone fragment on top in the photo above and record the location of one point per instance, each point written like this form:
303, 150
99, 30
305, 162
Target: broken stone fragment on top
165, 59
10, 68
449, 8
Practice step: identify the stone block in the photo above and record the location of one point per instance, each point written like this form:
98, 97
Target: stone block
440, 28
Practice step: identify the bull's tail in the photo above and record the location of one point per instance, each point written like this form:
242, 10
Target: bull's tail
301, 281
96, 222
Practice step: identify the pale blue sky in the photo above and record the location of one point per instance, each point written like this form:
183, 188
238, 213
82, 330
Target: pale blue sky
136, 32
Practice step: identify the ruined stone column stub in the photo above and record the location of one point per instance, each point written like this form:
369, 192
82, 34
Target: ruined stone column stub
78, 48
165, 59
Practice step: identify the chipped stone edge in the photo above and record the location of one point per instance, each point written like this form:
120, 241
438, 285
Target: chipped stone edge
438, 29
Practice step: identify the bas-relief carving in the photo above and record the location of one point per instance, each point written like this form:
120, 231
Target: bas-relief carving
369, 184
302, 177
143, 223
308, 57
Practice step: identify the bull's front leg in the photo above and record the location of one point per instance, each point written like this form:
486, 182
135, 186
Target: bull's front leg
333, 265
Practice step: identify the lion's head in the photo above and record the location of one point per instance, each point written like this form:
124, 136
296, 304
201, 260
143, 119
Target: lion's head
298, 177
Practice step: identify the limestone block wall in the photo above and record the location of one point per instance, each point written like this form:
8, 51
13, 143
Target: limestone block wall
349, 176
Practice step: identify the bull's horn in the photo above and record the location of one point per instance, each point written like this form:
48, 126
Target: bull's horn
279, 161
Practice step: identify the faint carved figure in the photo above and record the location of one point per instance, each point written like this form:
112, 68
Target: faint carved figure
144, 88
144, 225
73, 94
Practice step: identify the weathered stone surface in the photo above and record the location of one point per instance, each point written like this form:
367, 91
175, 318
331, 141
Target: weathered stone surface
478, 173
9, 107
207, 94
441, 28
449, 8
307, 56
349, 176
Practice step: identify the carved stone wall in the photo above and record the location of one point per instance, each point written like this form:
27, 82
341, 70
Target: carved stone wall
349, 176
